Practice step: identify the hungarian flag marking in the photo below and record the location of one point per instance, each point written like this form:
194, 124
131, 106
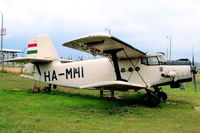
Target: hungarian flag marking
32, 48
32, 45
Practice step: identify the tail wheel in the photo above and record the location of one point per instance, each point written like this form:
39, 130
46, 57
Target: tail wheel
46, 89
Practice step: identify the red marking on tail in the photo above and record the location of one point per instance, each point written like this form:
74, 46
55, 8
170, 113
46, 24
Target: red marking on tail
32, 45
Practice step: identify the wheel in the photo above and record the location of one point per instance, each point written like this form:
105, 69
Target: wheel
163, 96
54, 86
153, 100
46, 89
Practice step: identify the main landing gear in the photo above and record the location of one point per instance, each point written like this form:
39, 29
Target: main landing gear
154, 97
45, 89
48, 88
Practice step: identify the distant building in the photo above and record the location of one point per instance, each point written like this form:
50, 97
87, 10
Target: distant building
9, 54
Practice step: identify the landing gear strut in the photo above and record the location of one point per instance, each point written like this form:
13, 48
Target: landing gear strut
154, 97
35, 88
160, 93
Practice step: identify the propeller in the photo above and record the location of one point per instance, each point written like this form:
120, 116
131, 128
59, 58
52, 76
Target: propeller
194, 71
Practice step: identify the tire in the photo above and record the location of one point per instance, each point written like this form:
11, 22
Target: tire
47, 89
163, 96
153, 100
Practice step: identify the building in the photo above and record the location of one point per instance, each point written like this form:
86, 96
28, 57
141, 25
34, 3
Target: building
9, 54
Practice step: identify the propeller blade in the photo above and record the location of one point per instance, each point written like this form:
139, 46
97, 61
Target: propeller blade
194, 81
192, 57
194, 71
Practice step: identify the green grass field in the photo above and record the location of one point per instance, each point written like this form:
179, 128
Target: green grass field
83, 111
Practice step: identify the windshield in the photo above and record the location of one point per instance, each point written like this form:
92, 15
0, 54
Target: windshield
161, 59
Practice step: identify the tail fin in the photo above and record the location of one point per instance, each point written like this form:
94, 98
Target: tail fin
41, 47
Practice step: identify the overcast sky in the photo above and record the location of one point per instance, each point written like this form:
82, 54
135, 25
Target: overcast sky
142, 23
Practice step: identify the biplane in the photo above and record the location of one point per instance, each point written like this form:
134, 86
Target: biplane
122, 67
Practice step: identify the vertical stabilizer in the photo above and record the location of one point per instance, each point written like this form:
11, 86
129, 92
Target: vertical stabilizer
42, 47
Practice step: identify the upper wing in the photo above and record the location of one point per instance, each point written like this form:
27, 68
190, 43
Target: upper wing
98, 44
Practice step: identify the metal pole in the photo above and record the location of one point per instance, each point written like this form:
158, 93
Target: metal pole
170, 44
167, 52
2, 54
170, 47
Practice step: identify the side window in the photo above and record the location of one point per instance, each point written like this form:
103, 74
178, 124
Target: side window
153, 60
144, 61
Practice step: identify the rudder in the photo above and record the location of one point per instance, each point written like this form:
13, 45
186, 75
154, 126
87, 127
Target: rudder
41, 46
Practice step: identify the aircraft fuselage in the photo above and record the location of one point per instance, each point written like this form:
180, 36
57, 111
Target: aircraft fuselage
82, 73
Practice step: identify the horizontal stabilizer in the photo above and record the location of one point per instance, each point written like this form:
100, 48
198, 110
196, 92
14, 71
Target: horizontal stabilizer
29, 60
114, 84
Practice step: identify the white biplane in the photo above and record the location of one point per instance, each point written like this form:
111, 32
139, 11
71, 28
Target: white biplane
124, 67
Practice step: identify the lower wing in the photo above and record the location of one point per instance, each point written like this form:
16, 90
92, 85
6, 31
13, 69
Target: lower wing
114, 84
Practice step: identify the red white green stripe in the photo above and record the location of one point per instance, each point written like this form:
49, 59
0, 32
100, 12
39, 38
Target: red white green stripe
32, 45
32, 48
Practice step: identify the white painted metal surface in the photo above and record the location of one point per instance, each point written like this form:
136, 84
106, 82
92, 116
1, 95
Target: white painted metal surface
100, 73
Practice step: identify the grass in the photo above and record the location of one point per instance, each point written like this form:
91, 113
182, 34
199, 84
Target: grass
83, 111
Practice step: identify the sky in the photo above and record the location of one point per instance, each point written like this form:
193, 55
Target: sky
144, 24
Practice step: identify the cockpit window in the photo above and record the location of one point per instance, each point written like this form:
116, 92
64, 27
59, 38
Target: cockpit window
144, 61
161, 59
153, 60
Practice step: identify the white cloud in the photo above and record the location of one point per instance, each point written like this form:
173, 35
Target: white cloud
143, 23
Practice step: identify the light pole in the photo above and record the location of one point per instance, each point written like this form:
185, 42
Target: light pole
170, 47
167, 52
2, 54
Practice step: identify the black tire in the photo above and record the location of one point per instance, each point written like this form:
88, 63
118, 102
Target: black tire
48, 89
153, 100
163, 96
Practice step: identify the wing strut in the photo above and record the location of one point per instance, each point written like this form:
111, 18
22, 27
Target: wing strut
113, 53
135, 69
